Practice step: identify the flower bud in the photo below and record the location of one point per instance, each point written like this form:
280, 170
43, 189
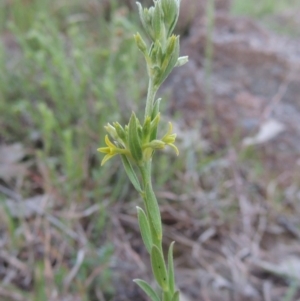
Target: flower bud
171, 46
140, 43
156, 144
112, 131
181, 61
120, 131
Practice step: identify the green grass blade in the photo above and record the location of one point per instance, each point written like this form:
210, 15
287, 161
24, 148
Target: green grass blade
171, 268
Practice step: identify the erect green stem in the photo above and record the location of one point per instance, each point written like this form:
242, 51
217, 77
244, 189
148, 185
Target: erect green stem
150, 97
147, 182
145, 169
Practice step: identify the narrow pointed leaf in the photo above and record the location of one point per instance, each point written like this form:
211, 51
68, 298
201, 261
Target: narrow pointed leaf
157, 21
159, 268
140, 133
176, 296
172, 26
155, 119
131, 173
153, 210
171, 11
155, 110
147, 289
134, 139
146, 129
142, 16
171, 268
144, 228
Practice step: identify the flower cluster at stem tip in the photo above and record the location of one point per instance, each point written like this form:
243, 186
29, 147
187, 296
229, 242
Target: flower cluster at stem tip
138, 141
141, 147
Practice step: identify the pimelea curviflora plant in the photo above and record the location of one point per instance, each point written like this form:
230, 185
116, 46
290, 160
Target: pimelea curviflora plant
137, 141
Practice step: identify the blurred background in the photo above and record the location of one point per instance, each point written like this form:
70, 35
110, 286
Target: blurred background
231, 200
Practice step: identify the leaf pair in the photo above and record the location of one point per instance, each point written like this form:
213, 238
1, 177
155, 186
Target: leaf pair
164, 277
151, 293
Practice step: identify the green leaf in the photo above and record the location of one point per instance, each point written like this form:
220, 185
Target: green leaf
146, 15
155, 120
171, 12
140, 133
142, 15
134, 140
159, 268
153, 210
146, 129
171, 268
173, 24
157, 21
176, 296
171, 58
155, 110
147, 289
131, 173
144, 228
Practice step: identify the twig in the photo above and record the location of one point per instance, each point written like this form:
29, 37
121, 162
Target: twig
87, 212
16, 263
288, 226
10, 193
75, 269
60, 225
278, 96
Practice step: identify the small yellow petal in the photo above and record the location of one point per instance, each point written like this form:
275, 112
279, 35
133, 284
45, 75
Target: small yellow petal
106, 158
175, 148
105, 150
108, 142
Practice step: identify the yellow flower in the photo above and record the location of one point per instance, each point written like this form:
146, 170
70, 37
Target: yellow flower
169, 138
111, 150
